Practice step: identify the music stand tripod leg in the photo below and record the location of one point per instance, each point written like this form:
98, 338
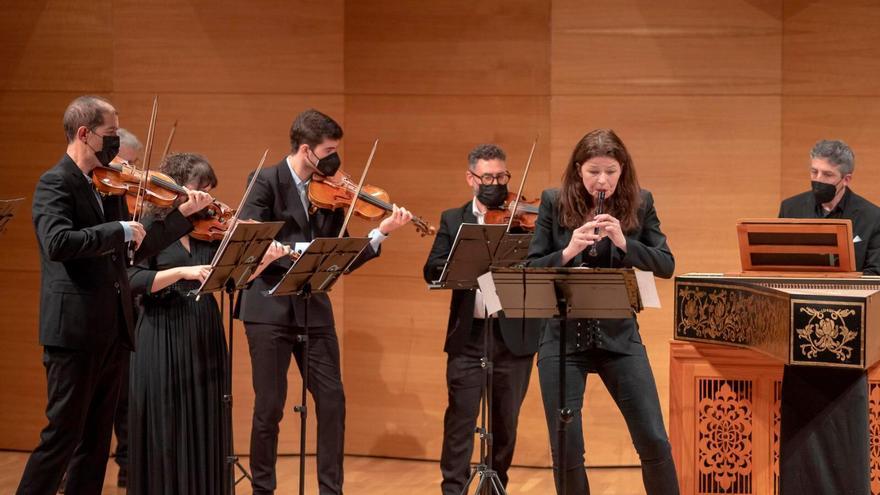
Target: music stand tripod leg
302, 408
231, 459
489, 480
565, 413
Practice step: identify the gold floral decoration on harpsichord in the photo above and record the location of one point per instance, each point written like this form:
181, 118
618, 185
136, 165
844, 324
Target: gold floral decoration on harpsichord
826, 331
731, 314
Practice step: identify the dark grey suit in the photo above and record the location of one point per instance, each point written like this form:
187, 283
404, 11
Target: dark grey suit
512, 355
86, 323
272, 324
612, 348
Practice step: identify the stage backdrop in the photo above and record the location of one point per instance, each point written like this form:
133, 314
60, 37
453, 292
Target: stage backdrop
719, 105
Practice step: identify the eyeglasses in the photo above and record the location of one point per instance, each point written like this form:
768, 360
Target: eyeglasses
487, 179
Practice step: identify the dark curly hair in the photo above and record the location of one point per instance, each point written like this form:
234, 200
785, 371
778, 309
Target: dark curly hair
186, 169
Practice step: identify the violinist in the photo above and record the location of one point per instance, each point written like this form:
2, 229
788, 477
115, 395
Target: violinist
130, 148
272, 324
86, 323
513, 349
177, 374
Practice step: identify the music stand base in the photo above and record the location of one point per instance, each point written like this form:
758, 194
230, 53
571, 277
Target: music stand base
489, 483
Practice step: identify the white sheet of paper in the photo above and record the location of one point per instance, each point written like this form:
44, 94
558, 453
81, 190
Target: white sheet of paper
647, 289
299, 247
490, 297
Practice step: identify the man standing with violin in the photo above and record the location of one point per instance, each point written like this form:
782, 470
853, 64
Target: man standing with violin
86, 319
272, 324
514, 345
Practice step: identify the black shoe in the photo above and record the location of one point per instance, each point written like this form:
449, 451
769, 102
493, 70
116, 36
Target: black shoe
122, 478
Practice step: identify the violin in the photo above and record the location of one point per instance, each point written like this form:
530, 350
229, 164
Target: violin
524, 218
119, 178
373, 202
213, 223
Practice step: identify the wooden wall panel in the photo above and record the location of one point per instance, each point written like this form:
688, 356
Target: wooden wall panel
202, 46
678, 47
54, 45
854, 119
831, 47
447, 48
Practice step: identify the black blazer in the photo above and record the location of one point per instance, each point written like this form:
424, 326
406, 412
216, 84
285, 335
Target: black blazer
646, 249
520, 340
865, 218
275, 198
83, 279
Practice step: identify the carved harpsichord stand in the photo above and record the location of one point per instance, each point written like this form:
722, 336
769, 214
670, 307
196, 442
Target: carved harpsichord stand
798, 301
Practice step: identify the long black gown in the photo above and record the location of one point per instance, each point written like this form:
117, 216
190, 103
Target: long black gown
175, 408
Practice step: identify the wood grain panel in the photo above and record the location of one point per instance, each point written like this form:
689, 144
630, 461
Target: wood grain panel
680, 47
855, 120
456, 47
23, 395
54, 45
202, 46
831, 47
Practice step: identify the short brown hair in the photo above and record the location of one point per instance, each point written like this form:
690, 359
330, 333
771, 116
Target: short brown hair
312, 128
85, 111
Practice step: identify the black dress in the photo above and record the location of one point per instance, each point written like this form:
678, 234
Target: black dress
175, 410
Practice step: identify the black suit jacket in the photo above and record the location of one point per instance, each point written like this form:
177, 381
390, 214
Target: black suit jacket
646, 249
865, 218
520, 340
84, 283
275, 198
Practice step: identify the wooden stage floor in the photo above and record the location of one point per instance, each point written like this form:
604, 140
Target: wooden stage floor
375, 476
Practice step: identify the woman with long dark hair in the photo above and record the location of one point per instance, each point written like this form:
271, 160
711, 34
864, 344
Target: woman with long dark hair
627, 234
176, 418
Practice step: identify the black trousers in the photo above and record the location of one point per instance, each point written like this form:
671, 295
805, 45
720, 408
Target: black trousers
83, 387
464, 380
120, 420
824, 433
271, 347
630, 382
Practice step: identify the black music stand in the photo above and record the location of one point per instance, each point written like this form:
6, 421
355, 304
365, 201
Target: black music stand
475, 248
236, 260
316, 270
7, 211
565, 293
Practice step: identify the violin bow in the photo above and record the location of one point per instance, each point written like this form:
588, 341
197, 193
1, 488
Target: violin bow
357, 193
522, 184
168, 143
142, 187
234, 219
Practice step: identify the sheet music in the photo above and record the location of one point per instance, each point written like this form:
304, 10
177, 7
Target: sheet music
647, 289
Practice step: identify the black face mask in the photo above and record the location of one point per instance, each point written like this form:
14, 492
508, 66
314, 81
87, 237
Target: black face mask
823, 192
329, 165
109, 149
493, 195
